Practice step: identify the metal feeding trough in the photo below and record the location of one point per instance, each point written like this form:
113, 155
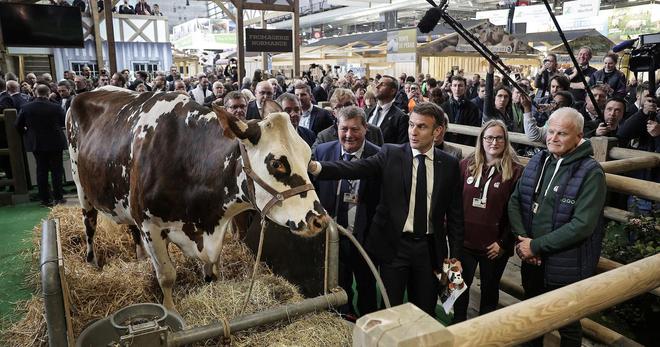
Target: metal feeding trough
151, 324
135, 325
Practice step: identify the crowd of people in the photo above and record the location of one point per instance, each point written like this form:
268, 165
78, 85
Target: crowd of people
385, 169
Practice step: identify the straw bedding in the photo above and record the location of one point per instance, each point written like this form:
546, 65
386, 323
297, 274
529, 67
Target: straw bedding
124, 280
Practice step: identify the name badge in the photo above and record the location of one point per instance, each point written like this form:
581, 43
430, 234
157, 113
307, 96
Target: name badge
479, 203
535, 207
350, 198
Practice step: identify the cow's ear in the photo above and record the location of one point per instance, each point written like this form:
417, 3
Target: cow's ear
234, 127
270, 106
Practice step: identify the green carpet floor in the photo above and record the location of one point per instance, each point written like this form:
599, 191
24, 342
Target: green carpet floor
16, 224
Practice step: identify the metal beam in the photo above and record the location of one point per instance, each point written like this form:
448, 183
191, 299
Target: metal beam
240, 38
225, 10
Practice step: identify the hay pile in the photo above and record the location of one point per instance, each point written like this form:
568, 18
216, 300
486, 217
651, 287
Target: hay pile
124, 281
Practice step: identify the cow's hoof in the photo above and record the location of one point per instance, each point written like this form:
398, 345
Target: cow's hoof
210, 278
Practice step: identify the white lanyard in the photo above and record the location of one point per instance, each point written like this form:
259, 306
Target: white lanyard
484, 196
538, 183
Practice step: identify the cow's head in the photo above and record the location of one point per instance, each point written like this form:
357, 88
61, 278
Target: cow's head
279, 157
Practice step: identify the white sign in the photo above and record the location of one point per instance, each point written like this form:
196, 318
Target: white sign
527, 14
497, 17
401, 57
581, 8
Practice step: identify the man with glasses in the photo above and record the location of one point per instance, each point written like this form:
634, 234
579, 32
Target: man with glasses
263, 91
342, 97
235, 104
291, 105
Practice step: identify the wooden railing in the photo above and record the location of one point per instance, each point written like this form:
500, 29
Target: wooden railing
15, 152
534, 317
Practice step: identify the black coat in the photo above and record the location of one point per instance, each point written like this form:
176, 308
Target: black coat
393, 165
321, 119
252, 111
13, 101
320, 94
306, 135
394, 126
41, 123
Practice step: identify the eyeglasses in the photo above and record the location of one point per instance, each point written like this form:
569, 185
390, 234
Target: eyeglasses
490, 139
236, 107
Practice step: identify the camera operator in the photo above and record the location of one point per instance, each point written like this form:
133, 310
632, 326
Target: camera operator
548, 71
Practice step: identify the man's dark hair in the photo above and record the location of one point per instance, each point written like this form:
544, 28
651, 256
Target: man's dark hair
64, 83
234, 95
303, 85
618, 99
395, 82
121, 78
143, 75
430, 109
567, 95
459, 78
431, 83
42, 91
410, 79
562, 80
287, 96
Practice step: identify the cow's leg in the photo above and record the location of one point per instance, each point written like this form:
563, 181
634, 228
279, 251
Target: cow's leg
139, 248
160, 257
89, 219
210, 272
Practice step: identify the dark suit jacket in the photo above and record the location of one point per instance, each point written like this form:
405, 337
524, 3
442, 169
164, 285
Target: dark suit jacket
41, 121
394, 126
209, 100
252, 111
368, 192
321, 119
319, 94
13, 101
393, 164
306, 135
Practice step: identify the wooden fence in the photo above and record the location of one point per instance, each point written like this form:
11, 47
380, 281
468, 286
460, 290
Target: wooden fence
16, 154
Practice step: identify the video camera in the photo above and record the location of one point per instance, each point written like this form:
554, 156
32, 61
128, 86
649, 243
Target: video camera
646, 56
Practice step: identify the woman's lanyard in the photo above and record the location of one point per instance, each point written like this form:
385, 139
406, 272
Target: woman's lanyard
481, 201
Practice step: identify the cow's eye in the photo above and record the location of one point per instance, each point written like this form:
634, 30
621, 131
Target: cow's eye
276, 164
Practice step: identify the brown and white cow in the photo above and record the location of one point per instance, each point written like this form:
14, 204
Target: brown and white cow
171, 169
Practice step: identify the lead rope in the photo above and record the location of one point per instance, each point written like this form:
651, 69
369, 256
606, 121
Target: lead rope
379, 281
256, 264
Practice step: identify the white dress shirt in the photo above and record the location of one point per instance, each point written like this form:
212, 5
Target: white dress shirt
354, 186
384, 109
408, 226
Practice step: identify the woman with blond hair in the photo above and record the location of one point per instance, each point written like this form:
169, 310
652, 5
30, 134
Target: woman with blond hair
489, 177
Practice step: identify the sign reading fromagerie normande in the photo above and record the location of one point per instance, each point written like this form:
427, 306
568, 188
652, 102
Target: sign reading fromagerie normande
268, 40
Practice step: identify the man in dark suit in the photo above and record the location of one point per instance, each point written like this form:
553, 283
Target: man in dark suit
291, 105
13, 98
322, 91
263, 91
389, 118
352, 203
313, 117
419, 220
218, 93
41, 122
65, 95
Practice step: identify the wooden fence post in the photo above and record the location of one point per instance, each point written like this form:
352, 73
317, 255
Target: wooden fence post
601, 146
15, 146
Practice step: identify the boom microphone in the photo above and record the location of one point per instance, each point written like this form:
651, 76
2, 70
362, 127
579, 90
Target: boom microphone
430, 20
624, 45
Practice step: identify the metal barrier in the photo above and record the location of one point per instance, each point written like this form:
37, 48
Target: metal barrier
51, 285
15, 153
